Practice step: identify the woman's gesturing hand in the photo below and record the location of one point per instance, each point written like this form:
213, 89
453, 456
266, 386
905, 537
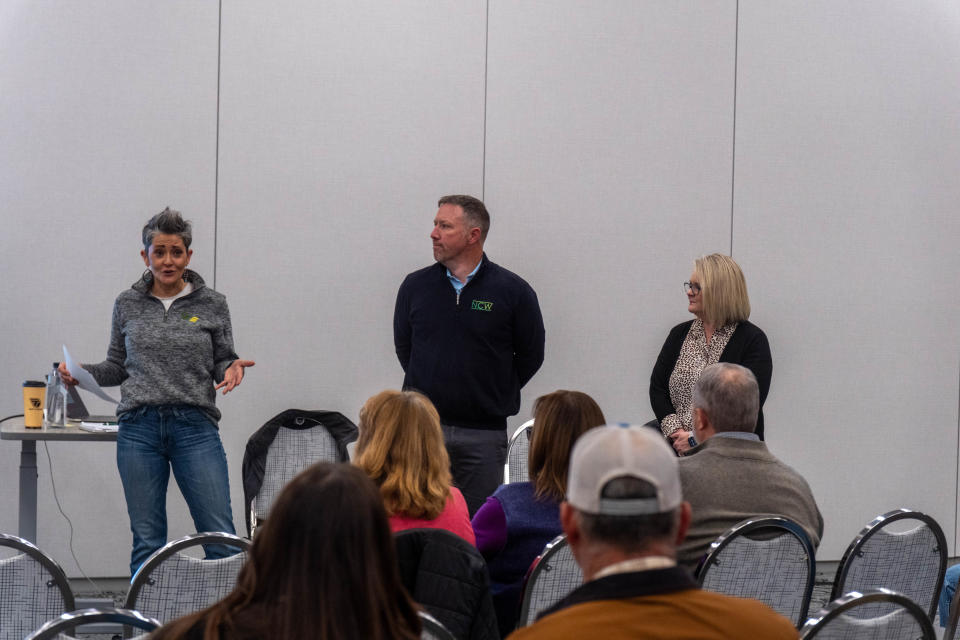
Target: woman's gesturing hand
234, 375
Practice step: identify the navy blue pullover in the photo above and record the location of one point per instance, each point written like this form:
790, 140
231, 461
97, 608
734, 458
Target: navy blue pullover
470, 354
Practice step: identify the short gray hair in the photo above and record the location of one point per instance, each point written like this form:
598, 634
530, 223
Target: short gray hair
729, 394
474, 212
169, 222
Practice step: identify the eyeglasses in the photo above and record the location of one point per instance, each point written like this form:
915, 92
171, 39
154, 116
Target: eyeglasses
691, 287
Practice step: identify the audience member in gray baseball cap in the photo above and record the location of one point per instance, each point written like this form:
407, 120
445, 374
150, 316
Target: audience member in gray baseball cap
721, 476
624, 517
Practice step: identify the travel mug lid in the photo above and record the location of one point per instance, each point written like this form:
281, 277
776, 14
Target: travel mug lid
34, 383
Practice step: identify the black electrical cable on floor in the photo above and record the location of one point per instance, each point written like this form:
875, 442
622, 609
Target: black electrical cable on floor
56, 499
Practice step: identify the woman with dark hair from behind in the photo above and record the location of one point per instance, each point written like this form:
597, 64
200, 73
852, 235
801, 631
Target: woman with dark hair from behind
323, 566
519, 519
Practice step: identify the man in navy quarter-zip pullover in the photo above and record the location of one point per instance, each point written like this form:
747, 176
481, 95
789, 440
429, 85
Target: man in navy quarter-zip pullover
469, 335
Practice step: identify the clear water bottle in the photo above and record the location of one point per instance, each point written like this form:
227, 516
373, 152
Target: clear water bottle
55, 409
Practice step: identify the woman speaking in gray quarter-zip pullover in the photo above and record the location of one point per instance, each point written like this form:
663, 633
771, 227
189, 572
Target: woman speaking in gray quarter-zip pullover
171, 348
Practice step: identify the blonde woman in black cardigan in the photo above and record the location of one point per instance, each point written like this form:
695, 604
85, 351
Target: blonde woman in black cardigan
720, 332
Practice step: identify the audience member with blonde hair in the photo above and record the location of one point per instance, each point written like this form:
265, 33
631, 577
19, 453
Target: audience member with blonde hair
322, 566
720, 332
401, 449
520, 518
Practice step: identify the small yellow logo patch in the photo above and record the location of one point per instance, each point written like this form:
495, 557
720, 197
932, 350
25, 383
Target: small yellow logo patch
194, 319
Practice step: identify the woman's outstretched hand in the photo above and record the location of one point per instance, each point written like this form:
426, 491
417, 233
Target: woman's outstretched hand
234, 375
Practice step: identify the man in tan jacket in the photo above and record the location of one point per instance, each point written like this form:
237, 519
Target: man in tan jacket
623, 517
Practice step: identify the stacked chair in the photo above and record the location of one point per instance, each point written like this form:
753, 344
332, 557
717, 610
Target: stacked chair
60, 627
171, 583
515, 470
553, 575
910, 562
888, 582
873, 614
33, 588
770, 559
284, 446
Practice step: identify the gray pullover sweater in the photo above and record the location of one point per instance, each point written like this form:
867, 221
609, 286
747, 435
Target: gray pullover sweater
167, 357
727, 480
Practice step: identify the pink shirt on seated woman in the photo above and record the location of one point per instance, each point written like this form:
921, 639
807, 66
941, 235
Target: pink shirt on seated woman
454, 518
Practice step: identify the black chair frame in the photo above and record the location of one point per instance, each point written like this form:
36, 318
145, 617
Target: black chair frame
524, 430
877, 524
58, 577
757, 525
66, 622
434, 627
142, 576
539, 565
844, 603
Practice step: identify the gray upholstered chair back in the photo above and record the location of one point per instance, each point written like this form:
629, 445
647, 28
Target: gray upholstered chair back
291, 451
911, 562
60, 626
33, 588
516, 468
433, 629
893, 617
769, 559
553, 575
171, 583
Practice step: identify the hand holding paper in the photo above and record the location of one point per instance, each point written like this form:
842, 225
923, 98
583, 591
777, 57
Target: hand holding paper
83, 377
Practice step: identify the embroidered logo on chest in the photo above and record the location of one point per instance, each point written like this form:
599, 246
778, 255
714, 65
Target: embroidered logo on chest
481, 305
189, 317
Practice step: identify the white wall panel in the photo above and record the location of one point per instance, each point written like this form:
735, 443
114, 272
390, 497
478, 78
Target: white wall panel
609, 152
341, 125
846, 224
107, 114
600, 134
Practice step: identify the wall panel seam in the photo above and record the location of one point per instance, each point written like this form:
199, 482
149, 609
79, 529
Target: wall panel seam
733, 145
216, 161
486, 58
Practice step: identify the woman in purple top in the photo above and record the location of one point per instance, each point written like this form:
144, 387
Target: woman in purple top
519, 519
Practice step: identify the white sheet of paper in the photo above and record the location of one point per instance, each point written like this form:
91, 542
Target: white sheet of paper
84, 379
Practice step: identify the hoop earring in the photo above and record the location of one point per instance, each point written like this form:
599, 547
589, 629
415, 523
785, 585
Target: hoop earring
147, 276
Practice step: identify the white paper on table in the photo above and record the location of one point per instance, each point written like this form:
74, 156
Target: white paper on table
84, 379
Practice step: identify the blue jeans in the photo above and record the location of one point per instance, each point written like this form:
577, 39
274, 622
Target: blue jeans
946, 594
153, 439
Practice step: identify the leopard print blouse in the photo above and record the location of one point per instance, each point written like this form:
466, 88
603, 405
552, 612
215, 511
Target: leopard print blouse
695, 356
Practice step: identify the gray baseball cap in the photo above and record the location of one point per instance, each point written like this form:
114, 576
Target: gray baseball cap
613, 451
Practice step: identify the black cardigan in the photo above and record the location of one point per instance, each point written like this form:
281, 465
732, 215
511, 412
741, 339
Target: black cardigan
748, 346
